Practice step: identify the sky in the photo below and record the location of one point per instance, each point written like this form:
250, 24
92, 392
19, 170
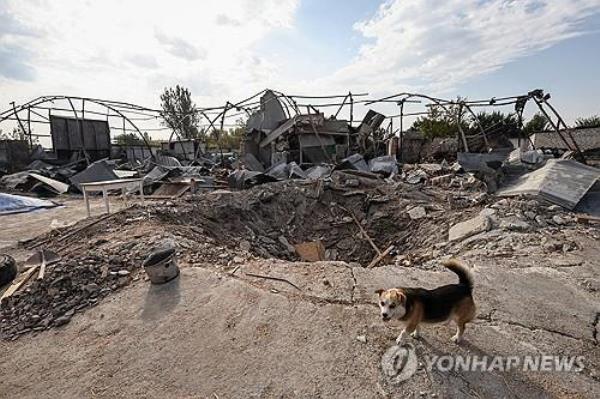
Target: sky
130, 50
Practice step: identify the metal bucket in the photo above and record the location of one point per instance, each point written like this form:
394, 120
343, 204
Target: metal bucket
161, 266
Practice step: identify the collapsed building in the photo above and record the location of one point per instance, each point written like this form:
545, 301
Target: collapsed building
275, 135
285, 137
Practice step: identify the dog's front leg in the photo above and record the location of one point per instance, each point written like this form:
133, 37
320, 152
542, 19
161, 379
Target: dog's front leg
401, 336
415, 333
412, 328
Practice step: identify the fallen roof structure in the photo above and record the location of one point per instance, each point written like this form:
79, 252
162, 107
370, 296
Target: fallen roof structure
561, 181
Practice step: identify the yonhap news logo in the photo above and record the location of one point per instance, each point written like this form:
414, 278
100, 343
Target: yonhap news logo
400, 362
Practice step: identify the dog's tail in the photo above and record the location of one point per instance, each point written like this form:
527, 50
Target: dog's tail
461, 270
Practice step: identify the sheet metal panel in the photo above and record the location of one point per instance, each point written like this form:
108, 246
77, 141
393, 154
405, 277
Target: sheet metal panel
561, 181
66, 134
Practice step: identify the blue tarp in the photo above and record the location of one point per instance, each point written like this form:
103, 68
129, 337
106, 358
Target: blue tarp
17, 204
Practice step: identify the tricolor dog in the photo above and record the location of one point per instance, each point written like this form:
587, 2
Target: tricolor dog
418, 305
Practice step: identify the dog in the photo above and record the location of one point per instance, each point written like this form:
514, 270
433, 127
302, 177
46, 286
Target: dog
418, 305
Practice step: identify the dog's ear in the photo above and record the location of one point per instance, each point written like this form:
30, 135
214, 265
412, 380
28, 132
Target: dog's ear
379, 291
402, 297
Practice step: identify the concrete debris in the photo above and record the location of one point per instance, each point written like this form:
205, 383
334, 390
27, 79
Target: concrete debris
416, 176
318, 172
514, 224
468, 228
417, 212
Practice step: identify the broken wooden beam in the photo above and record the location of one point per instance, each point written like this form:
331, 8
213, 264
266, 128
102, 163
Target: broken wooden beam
362, 230
380, 257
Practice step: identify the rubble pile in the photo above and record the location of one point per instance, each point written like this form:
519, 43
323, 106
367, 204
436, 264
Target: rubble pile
67, 288
409, 219
517, 226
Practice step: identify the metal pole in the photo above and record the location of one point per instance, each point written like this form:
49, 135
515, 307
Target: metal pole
402, 131
29, 128
351, 108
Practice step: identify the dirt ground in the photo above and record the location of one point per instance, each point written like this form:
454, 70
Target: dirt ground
218, 332
24, 226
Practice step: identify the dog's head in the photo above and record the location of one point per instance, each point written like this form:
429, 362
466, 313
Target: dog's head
392, 303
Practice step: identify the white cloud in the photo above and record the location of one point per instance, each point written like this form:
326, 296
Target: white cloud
130, 50
434, 45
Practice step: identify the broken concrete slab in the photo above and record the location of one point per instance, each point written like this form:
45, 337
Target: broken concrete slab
416, 176
514, 224
468, 228
251, 163
417, 212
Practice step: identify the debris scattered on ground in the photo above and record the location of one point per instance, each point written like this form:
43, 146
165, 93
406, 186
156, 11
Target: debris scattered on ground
347, 217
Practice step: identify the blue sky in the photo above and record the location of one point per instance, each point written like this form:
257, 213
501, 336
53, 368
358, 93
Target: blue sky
569, 71
228, 49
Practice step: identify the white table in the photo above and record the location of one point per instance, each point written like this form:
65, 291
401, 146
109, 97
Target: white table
105, 186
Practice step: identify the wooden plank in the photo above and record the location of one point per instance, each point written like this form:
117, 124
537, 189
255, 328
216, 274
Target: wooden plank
311, 251
16, 286
585, 219
42, 267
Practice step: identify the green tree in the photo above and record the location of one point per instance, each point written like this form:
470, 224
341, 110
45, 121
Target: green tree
179, 112
495, 121
537, 123
439, 123
126, 139
227, 139
591, 121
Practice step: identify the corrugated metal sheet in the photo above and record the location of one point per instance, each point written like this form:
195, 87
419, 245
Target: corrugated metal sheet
560, 181
587, 139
